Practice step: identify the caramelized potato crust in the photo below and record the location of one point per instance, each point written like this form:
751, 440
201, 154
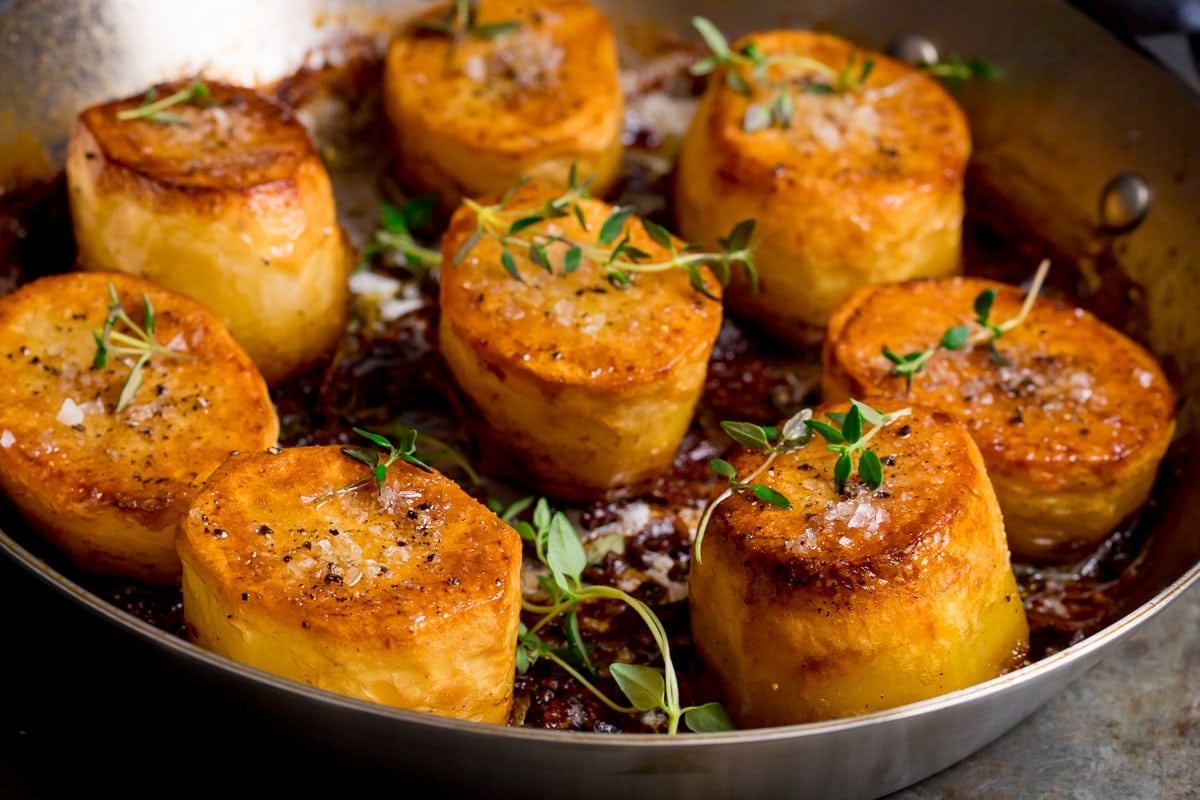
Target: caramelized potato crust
862, 600
864, 187
1072, 429
470, 117
407, 596
232, 207
589, 387
108, 487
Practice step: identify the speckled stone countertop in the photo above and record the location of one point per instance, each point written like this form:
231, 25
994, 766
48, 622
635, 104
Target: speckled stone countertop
1129, 728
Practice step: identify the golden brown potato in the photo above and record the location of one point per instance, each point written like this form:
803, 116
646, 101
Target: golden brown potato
108, 486
861, 600
408, 597
1072, 429
589, 387
864, 187
230, 205
472, 114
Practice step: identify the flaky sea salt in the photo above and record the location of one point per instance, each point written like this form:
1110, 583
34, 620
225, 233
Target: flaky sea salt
7, 439
70, 413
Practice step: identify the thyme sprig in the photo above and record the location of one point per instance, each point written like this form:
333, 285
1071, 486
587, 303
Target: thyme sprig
155, 110
775, 442
461, 20
378, 462
122, 337
847, 438
954, 70
959, 336
780, 108
394, 236
557, 546
612, 246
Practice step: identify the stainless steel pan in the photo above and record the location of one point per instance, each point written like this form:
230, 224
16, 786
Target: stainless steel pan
1075, 111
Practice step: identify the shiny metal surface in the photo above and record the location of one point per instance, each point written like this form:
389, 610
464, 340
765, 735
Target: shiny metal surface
1046, 137
1125, 202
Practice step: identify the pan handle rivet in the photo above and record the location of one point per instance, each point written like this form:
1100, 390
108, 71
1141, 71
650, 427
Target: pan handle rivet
1124, 202
913, 49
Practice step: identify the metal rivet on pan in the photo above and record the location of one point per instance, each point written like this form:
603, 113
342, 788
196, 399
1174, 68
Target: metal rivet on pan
914, 49
1125, 202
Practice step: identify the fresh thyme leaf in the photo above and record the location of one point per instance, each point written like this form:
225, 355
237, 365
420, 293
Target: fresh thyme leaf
642, 685
852, 425
747, 434
955, 338
739, 237
611, 228
867, 413
723, 468
565, 555
708, 718
769, 495
368, 457
658, 234
374, 438
819, 88
954, 70
996, 357
525, 222
541, 513
826, 431
783, 108
712, 36
842, 469
736, 83
983, 306
870, 469
510, 265
572, 259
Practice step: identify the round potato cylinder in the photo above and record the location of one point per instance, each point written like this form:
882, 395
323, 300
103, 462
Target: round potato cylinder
587, 387
862, 186
520, 90
226, 201
1072, 426
107, 486
406, 595
854, 601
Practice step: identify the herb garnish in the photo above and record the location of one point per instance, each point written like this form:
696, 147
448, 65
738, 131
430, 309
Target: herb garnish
155, 110
959, 336
778, 111
378, 462
612, 247
955, 70
557, 546
121, 336
394, 236
775, 441
849, 439
461, 20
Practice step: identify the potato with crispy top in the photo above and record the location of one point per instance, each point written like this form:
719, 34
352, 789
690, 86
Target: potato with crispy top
517, 89
107, 486
226, 201
1072, 428
589, 387
406, 595
862, 186
859, 600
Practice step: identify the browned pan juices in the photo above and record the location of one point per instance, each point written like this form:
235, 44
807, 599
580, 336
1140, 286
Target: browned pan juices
388, 372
